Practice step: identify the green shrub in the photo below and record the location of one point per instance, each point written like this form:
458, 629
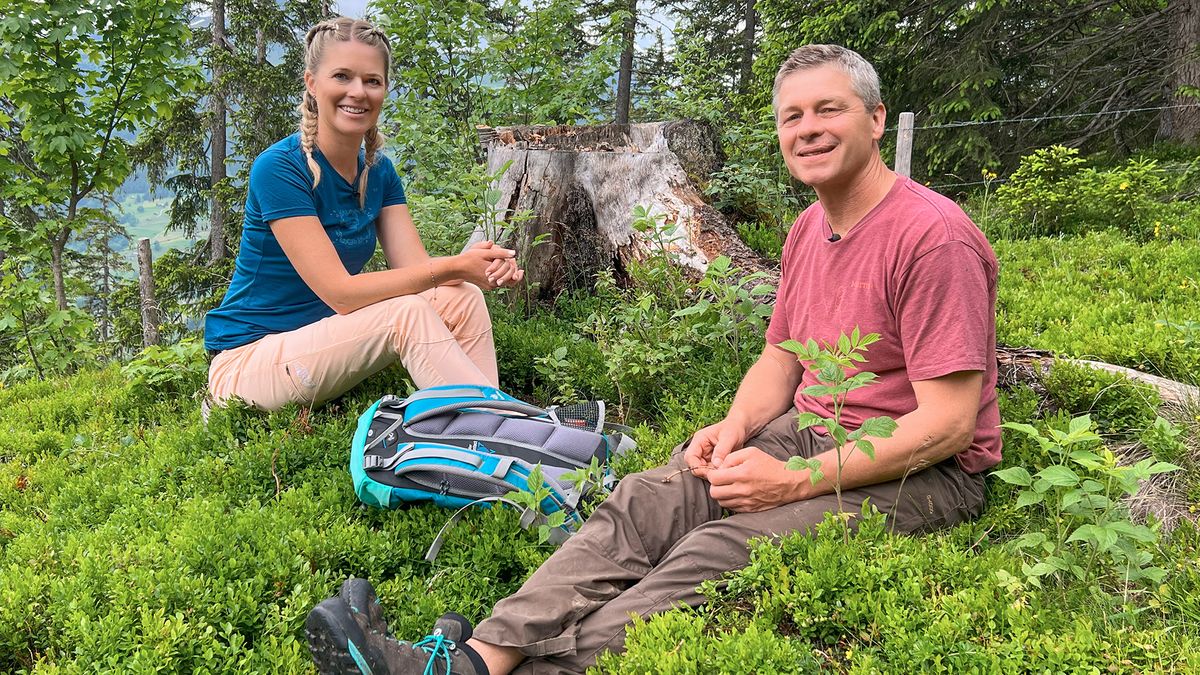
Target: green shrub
765, 240
1099, 296
887, 603
1165, 441
174, 369
159, 544
523, 346
1117, 404
1178, 603
1081, 493
1054, 192
696, 649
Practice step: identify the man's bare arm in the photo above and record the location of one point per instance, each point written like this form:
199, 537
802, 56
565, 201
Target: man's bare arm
942, 425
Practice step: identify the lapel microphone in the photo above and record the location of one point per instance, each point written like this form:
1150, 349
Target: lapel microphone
834, 237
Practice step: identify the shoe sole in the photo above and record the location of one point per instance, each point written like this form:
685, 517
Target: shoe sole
359, 594
332, 642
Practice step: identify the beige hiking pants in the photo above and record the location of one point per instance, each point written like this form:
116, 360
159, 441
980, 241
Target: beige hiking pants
441, 336
649, 545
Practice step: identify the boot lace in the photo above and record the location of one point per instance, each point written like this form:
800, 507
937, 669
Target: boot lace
438, 646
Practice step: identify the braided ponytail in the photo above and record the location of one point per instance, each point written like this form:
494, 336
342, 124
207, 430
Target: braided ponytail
374, 140
308, 134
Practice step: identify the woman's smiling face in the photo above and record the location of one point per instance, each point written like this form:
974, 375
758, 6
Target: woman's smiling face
349, 86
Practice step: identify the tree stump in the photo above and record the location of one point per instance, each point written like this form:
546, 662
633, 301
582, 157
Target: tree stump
574, 189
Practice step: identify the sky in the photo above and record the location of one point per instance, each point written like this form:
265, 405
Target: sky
351, 8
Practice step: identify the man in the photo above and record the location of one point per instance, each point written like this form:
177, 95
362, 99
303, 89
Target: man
877, 251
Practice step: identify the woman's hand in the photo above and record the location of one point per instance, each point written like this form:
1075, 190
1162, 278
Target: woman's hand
489, 266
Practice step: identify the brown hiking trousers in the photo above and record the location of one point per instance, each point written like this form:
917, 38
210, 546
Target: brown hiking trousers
650, 544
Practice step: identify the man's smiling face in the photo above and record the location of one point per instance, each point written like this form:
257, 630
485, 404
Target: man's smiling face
826, 134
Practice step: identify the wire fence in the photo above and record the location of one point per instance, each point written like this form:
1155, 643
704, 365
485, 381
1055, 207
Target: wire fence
998, 179
1043, 118
1027, 120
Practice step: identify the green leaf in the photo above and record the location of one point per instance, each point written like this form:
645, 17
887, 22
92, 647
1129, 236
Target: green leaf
807, 419
1154, 574
819, 390
697, 308
1016, 475
796, 463
1029, 497
1163, 467
1079, 424
1087, 459
793, 347
1059, 475
837, 433
1027, 429
1139, 533
1101, 537
1086, 533
1029, 539
867, 448
1040, 569
860, 380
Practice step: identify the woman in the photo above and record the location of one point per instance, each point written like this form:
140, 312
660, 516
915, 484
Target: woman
300, 322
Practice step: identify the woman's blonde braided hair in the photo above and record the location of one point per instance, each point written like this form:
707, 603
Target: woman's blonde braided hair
342, 29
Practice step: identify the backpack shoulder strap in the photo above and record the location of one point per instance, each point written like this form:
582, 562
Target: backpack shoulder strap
437, 400
529, 518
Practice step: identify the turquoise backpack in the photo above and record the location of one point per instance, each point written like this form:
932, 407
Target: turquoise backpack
463, 445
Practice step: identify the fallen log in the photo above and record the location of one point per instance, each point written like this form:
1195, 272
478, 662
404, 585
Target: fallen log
1025, 365
1162, 496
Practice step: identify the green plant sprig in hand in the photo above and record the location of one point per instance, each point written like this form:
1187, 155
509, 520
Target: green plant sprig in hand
833, 365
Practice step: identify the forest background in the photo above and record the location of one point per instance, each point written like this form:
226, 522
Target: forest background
133, 536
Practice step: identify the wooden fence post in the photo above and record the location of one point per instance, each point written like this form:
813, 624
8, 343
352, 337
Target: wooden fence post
146, 285
904, 144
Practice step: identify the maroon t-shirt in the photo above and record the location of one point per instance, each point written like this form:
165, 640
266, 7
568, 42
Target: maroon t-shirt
917, 271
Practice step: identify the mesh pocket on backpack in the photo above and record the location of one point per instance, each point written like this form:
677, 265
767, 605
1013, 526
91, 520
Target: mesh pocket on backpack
584, 415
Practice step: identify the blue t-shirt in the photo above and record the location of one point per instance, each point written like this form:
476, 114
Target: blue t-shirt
266, 294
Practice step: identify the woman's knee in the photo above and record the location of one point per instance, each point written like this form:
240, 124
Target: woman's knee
409, 319
463, 308
461, 301
403, 309
464, 292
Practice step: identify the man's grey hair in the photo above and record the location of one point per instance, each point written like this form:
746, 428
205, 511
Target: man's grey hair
863, 78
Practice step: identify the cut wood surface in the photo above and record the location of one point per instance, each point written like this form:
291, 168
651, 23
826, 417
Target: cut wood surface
575, 187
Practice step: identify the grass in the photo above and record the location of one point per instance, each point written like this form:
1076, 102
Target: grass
133, 537
1101, 296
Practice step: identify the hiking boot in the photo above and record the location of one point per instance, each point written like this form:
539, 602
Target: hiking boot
446, 649
359, 595
339, 645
